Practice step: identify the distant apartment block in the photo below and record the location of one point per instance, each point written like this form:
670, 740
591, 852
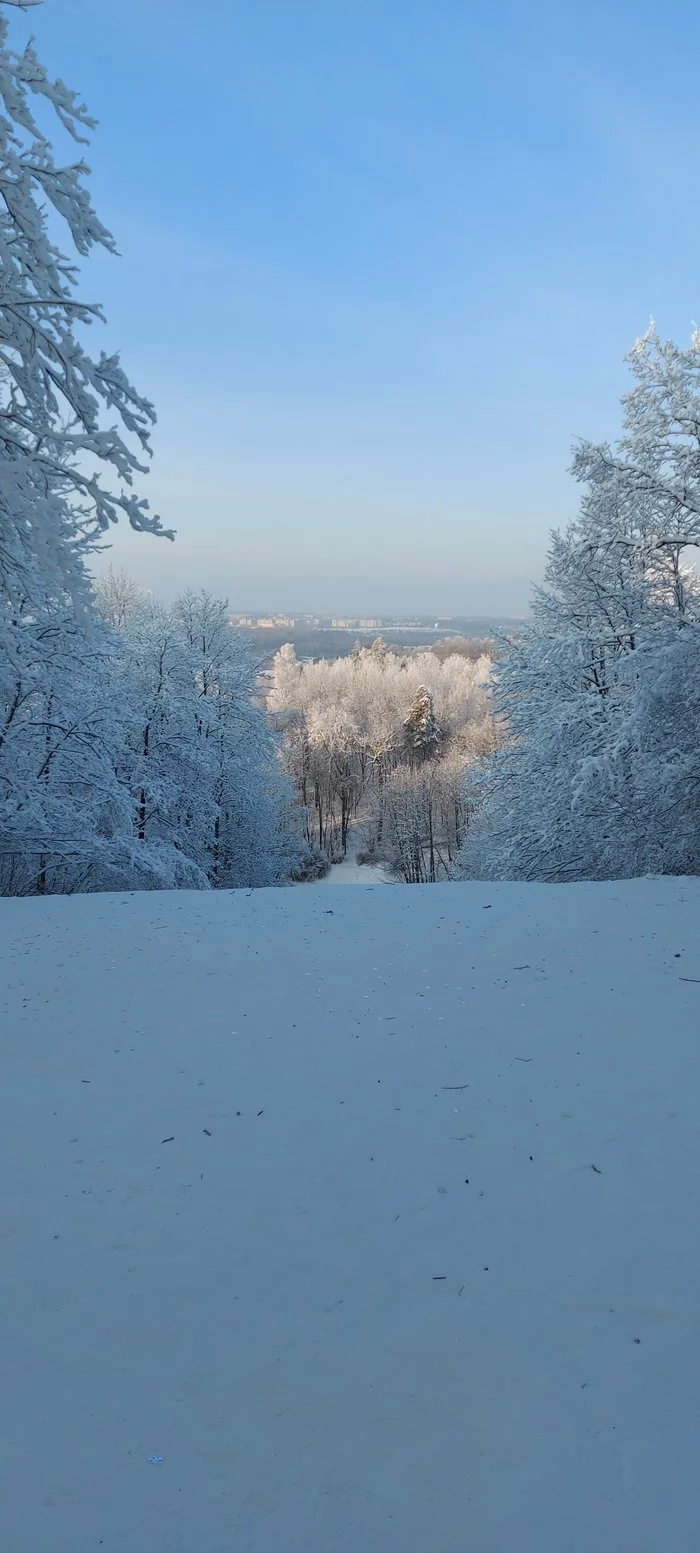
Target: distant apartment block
342, 624
265, 622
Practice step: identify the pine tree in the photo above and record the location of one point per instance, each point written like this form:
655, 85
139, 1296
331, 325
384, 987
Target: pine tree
421, 732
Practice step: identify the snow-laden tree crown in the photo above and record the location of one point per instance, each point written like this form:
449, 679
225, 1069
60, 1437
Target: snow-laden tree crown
131, 753
74, 433
600, 776
378, 743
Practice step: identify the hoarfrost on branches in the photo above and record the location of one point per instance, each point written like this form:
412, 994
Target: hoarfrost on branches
131, 753
600, 776
381, 741
54, 395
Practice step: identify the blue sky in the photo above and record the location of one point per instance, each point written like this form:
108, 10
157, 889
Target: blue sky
381, 261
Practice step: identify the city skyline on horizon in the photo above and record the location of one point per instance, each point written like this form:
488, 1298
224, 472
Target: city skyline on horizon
362, 622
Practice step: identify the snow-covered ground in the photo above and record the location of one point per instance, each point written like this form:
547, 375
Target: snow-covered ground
352, 872
359, 1220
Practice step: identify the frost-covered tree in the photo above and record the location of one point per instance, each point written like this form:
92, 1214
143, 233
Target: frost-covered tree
131, 751
65, 474
73, 436
652, 478
67, 819
350, 724
197, 756
249, 839
116, 598
420, 728
600, 776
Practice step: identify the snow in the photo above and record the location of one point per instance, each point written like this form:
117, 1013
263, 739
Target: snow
352, 1304
349, 871
352, 872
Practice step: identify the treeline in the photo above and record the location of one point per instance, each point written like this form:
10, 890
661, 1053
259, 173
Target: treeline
382, 742
599, 777
131, 754
319, 642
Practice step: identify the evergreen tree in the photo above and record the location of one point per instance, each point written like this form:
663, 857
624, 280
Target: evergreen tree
421, 732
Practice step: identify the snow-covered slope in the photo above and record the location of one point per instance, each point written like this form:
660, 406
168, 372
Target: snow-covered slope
359, 1220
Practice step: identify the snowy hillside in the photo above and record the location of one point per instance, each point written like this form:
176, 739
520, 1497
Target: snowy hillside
359, 1220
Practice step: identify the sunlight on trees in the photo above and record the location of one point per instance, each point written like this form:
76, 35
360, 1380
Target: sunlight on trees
380, 742
601, 773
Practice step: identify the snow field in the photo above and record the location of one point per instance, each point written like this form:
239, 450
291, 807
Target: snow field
373, 1213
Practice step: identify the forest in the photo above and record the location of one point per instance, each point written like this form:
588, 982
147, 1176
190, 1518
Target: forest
598, 696
575, 754
134, 749
379, 743
132, 754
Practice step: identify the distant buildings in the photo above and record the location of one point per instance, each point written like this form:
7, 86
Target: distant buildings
265, 622
315, 622
425, 626
343, 624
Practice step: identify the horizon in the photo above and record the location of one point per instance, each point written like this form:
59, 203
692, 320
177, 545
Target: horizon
383, 617
290, 1269
383, 280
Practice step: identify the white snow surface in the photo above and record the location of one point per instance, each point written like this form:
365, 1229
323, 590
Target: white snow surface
417, 1271
349, 871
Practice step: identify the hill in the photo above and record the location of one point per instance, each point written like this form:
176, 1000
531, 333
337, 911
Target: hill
352, 1220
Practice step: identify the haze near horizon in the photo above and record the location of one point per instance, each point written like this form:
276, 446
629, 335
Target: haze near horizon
379, 270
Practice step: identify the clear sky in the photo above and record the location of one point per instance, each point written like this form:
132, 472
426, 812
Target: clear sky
382, 260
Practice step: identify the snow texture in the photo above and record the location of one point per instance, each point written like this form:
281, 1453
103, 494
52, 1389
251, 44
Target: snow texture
349, 871
357, 1220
